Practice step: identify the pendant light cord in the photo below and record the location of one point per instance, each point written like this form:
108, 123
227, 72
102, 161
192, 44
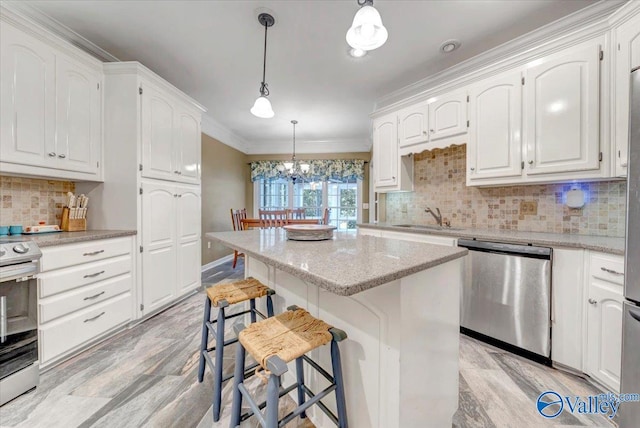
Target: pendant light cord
294, 144
264, 91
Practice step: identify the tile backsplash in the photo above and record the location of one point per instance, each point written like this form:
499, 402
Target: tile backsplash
28, 201
439, 181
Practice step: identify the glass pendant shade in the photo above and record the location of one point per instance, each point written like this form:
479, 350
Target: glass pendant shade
262, 108
288, 166
367, 32
304, 167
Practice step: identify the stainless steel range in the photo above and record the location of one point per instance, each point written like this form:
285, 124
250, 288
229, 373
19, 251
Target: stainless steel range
19, 370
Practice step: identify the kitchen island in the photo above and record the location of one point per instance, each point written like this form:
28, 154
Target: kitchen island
399, 303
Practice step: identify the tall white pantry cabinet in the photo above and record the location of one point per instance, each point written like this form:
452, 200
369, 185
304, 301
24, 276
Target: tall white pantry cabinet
151, 180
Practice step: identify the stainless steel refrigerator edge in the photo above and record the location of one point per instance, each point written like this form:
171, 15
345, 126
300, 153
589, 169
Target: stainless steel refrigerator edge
630, 375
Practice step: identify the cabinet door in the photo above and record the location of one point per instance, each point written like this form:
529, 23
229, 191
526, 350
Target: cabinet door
188, 239
604, 333
448, 117
159, 245
385, 151
158, 152
188, 139
78, 116
412, 125
28, 110
495, 116
562, 108
627, 57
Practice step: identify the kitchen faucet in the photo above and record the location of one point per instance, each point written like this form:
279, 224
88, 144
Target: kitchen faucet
438, 216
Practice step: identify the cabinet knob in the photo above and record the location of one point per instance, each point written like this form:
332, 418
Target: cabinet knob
393, 178
472, 169
62, 156
52, 155
424, 132
432, 131
531, 162
593, 302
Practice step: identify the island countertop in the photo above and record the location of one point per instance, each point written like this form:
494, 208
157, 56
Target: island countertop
345, 265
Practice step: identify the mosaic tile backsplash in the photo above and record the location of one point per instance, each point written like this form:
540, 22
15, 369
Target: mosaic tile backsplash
439, 181
28, 201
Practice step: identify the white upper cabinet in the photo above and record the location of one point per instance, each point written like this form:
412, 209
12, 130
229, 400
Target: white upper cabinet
562, 111
495, 115
413, 125
385, 151
79, 116
627, 57
51, 112
448, 116
188, 146
170, 137
28, 110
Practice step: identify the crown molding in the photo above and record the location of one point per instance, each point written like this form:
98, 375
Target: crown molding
34, 15
625, 13
215, 129
576, 27
304, 147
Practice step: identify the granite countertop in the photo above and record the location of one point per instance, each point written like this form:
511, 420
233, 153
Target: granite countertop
605, 244
345, 265
52, 239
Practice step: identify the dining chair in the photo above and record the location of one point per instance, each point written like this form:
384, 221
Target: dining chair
297, 214
272, 218
325, 217
236, 219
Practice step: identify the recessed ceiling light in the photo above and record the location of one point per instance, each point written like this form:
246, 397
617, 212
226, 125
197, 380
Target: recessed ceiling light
357, 52
449, 46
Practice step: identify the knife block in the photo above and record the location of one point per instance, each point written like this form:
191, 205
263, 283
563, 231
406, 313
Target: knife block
72, 224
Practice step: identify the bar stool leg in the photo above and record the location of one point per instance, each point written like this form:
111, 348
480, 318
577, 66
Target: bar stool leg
269, 306
238, 378
300, 378
273, 396
252, 304
217, 375
337, 375
205, 337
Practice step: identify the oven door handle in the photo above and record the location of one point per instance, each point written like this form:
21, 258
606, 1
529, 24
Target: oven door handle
21, 272
3, 319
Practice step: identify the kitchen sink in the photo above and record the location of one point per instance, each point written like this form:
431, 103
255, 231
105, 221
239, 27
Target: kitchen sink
426, 227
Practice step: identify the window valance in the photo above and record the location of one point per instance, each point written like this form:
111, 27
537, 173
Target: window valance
320, 170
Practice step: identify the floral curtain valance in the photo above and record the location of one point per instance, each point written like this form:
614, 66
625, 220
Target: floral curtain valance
320, 170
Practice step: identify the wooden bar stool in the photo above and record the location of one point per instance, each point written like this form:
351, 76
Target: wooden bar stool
221, 296
273, 343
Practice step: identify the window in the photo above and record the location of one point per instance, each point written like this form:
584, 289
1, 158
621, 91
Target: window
342, 197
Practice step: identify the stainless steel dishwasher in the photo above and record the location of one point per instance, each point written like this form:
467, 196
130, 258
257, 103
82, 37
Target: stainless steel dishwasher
506, 299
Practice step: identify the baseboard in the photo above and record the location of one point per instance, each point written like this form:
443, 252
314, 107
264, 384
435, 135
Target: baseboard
217, 262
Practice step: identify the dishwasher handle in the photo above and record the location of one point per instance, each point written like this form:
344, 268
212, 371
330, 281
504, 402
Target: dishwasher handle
503, 248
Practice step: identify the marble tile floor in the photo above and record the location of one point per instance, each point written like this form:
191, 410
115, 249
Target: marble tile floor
146, 376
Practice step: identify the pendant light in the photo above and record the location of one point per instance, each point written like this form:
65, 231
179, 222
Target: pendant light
294, 170
262, 106
367, 32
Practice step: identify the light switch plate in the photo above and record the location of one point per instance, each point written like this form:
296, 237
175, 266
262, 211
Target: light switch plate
528, 207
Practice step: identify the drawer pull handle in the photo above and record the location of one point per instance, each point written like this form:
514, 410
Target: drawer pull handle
94, 253
94, 296
593, 302
611, 271
95, 318
93, 275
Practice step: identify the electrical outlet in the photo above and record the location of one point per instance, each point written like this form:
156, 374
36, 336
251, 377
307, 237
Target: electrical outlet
365, 205
208, 245
528, 208
403, 208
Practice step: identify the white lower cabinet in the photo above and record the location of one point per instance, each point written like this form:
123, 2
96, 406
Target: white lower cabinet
170, 243
81, 300
604, 319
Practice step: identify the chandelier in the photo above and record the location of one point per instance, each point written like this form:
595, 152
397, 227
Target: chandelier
294, 170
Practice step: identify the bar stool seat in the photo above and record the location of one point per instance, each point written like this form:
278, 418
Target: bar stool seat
221, 296
273, 343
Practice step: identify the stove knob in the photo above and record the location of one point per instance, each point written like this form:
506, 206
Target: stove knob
20, 248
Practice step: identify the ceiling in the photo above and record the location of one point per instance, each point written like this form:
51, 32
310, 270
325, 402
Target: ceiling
212, 50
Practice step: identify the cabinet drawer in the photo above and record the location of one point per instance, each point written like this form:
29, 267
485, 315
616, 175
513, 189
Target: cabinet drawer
50, 283
84, 297
607, 267
64, 334
74, 254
